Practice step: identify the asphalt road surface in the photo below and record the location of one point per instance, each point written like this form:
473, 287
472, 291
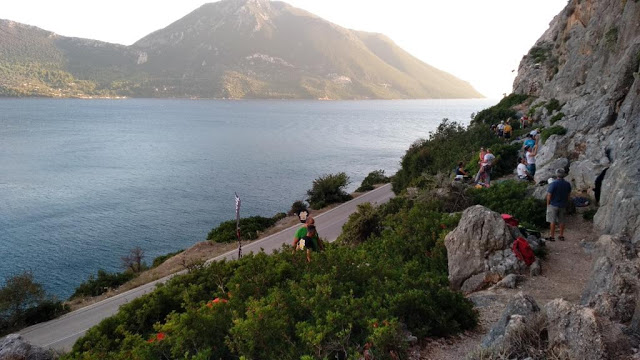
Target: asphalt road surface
60, 334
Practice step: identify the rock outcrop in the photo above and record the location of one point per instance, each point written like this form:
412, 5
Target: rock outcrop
14, 347
479, 247
558, 330
589, 60
614, 285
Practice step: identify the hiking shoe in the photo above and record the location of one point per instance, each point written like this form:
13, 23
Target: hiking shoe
550, 239
561, 238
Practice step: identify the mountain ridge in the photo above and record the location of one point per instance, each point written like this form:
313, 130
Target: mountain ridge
227, 49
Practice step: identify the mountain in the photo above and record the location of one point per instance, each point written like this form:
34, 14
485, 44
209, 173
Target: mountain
227, 49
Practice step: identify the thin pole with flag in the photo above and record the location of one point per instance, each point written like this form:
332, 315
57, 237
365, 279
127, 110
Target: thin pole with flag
238, 226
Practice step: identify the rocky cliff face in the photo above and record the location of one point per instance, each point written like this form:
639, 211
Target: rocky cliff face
589, 60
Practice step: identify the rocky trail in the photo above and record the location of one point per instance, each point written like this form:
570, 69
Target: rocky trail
565, 272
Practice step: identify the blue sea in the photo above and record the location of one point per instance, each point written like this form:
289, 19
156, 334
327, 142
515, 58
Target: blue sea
82, 182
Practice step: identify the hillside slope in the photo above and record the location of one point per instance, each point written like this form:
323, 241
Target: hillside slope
227, 49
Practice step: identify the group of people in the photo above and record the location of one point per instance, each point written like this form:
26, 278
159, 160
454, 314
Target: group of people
558, 192
526, 168
504, 129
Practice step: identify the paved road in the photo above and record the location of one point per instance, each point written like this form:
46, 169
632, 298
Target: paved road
61, 333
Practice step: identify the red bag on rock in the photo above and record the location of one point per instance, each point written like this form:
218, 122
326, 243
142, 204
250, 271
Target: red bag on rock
523, 251
510, 220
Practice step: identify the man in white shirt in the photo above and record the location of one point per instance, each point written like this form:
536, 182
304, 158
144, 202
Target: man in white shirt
485, 168
523, 173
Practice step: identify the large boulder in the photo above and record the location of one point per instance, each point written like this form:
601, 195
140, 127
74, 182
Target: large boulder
614, 284
479, 244
521, 305
576, 330
14, 347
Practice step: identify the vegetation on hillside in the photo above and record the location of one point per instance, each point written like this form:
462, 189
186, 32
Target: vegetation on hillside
448, 145
373, 178
282, 307
23, 302
328, 189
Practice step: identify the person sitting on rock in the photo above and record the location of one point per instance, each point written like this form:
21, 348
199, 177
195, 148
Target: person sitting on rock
460, 173
523, 173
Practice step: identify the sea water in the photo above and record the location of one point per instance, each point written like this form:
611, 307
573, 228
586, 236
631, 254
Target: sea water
82, 182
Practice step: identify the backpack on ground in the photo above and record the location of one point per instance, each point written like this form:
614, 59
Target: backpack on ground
523, 251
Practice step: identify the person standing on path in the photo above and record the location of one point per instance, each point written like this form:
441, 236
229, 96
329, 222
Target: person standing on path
530, 155
308, 232
557, 200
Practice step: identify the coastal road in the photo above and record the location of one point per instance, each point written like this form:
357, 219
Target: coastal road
60, 334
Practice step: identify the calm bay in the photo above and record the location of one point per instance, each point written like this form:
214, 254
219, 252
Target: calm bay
84, 181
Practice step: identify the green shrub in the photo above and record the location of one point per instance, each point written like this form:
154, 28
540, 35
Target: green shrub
554, 130
557, 117
249, 228
501, 111
162, 258
98, 285
506, 159
611, 38
362, 224
328, 189
279, 216
297, 207
23, 302
553, 105
374, 178
539, 53
510, 197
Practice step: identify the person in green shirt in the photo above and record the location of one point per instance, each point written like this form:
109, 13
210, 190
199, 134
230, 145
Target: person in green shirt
306, 238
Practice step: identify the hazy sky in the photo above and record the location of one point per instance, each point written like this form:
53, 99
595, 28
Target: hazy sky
480, 41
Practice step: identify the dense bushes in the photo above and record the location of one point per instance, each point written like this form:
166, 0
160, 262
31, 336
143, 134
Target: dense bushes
327, 190
448, 145
374, 178
249, 229
97, 285
24, 302
502, 111
510, 197
555, 118
282, 307
362, 224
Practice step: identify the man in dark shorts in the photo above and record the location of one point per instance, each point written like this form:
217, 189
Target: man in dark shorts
557, 200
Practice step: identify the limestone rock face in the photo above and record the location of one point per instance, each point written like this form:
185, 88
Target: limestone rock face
589, 60
479, 244
14, 347
614, 284
575, 329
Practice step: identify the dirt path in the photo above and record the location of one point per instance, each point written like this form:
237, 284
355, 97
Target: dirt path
565, 272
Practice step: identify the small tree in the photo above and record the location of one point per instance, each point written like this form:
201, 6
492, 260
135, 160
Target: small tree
328, 189
133, 261
297, 207
19, 293
374, 178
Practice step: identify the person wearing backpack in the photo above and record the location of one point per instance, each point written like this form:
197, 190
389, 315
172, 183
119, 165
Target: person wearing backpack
309, 242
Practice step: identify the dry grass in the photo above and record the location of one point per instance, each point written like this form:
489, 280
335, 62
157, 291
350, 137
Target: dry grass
529, 339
